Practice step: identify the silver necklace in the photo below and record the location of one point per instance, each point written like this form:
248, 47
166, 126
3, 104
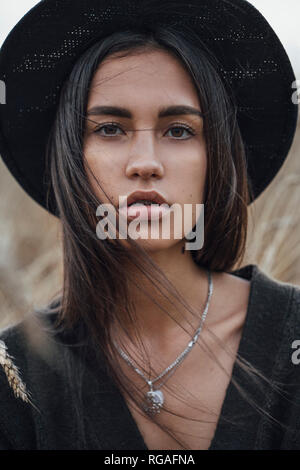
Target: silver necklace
155, 398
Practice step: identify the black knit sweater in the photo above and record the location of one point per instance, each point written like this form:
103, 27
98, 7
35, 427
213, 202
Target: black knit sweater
51, 420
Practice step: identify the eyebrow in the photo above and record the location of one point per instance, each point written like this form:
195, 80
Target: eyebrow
175, 110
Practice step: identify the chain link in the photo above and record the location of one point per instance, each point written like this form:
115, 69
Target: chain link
172, 367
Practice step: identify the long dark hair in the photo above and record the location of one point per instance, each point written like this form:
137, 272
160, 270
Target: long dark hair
95, 291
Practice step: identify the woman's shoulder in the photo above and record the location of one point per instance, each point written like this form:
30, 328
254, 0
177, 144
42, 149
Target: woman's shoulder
30, 366
271, 344
280, 298
278, 313
268, 303
272, 326
30, 349
27, 338
268, 291
59, 374
273, 310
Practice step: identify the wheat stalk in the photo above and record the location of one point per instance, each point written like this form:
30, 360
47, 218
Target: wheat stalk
12, 374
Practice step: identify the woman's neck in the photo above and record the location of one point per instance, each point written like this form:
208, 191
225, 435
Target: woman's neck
191, 282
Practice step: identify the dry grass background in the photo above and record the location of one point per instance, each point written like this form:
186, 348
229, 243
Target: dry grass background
30, 240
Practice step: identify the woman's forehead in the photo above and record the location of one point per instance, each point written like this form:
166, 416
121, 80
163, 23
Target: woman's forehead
154, 76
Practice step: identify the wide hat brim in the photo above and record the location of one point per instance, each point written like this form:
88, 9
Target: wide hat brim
39, 53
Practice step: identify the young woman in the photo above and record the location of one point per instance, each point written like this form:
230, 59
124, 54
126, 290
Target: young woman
150, 344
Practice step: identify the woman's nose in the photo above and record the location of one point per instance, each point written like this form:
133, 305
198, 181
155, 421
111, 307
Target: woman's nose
143, 159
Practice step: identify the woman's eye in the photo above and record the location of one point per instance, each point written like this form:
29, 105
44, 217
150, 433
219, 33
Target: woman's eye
178, 131
109, 130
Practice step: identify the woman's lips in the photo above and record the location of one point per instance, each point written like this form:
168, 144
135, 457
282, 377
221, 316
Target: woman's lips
144, 212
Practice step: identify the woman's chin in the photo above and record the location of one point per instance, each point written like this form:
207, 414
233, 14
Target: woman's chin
152, 245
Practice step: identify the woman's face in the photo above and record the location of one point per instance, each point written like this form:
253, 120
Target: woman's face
165, 153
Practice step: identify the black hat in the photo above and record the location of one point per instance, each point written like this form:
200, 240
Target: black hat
41, 50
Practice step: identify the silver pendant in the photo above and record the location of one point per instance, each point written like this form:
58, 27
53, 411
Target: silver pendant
155, 399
